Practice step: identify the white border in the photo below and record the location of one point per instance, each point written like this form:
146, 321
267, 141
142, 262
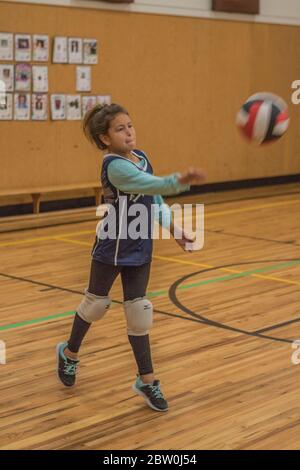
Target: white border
170, 9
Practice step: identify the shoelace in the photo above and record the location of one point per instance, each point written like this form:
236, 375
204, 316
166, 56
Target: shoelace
156, 391
70, 369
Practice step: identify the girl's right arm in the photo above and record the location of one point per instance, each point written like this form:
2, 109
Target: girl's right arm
128, 178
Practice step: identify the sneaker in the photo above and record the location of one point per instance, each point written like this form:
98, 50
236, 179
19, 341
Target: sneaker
66, 367
152, 394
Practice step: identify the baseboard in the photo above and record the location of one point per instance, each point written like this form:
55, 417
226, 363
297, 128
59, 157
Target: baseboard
47, 206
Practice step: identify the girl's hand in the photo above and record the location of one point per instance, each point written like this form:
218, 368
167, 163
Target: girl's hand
192, 176
185, 238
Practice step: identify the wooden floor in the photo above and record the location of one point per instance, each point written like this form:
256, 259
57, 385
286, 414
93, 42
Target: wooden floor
222, 339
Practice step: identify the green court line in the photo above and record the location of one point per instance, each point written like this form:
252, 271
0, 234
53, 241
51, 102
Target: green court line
161, 292
242, 274
37, 320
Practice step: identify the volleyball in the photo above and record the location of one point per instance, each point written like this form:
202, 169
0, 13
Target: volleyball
263, 118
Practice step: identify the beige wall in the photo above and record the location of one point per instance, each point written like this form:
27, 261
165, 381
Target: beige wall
182, 80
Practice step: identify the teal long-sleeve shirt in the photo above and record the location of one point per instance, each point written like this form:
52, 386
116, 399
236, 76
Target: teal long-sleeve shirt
128, 178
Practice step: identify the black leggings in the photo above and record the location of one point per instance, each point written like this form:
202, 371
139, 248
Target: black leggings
134, 281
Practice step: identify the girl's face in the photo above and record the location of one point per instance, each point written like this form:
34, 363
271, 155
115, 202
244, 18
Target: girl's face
120, 137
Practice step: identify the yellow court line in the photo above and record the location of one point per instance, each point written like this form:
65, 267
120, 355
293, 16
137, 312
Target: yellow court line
278, 279
76, 242
228, 270
29, 240
207, 215
181, 261
84, 232
202, 265
252, 208
49, 237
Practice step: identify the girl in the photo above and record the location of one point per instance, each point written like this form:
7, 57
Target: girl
126, 179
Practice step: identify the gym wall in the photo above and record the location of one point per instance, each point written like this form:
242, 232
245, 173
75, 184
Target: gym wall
182, 80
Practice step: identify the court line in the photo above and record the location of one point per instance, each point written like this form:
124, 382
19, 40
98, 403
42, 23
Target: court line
62, 237
207, 321
278, 325
36, 320
74, 222
252, 208
212, 203
226, 201
57, 316
252, 237
150, 294
247, 198
235, 272
207, 215
49, 237
175, 260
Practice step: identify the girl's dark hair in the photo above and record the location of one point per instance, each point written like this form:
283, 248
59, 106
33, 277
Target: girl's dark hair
97, 121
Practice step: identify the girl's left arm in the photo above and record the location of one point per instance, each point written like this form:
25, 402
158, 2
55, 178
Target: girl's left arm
164, 216
163, 213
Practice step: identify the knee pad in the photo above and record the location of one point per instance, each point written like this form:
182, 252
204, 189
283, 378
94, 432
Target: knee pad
93, 307
139, 316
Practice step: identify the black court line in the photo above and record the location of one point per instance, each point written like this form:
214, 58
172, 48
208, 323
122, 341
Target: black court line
173, 297
51, 286
47, 289
258, 333
279, 325
38, 283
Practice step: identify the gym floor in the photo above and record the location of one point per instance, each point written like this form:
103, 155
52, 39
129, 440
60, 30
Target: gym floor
225, 321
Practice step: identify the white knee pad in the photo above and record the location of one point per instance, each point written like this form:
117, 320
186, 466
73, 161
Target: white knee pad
139, 316
93, 307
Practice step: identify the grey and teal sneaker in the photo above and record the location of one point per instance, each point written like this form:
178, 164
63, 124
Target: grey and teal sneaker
151, 393
66, 367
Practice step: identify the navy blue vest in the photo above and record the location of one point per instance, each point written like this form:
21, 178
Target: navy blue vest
119, 251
